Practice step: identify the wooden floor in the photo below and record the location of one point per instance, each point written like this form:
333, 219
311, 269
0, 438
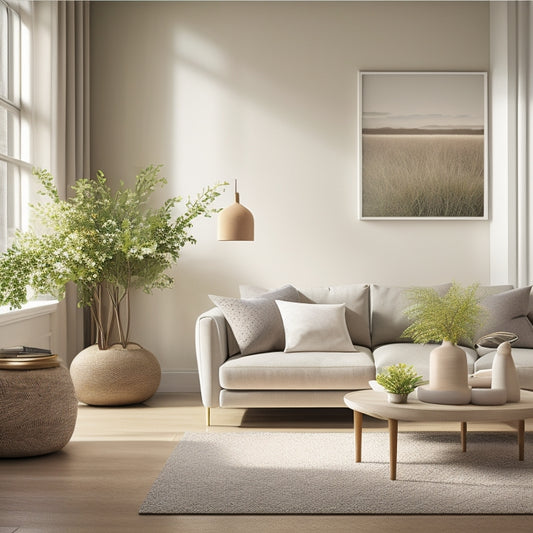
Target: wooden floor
99, 480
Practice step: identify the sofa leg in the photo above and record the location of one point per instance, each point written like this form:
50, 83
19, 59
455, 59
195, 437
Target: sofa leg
208, 416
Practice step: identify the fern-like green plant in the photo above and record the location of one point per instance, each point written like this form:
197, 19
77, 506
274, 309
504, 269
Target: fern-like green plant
453, 317
399, 379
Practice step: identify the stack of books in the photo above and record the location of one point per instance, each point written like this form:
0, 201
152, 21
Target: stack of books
23, 351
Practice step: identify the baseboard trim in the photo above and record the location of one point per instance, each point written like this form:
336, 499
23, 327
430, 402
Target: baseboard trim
183, 381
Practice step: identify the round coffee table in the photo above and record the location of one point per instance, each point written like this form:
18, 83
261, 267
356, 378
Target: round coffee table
375, 404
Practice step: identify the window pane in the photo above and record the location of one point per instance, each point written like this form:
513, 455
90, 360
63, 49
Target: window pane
9, 133
3, 206
14, 59
3, 131
10, 206
29, 193
4, 47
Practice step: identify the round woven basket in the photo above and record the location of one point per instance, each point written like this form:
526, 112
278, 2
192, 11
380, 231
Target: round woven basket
117, 376
38, 411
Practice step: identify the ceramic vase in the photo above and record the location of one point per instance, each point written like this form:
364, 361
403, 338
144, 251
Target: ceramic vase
116, 376
504, 374
448, 376
396, 398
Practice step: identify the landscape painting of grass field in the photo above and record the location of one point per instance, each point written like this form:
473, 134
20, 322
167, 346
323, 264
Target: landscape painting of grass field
423, 145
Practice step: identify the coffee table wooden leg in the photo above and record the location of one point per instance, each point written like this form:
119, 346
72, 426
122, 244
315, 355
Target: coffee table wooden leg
393, 446
463, 436
358, 430
521, 428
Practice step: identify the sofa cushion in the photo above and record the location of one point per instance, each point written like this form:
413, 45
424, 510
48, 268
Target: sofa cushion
315, 327
388, 305
413, 354
508, 311
284, 398
256, 322
523, 360
355, 297
300, 371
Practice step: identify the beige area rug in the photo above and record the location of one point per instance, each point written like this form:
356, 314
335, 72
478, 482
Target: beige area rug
315, 473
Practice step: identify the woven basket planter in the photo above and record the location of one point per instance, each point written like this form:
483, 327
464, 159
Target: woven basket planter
117, 376
39, 411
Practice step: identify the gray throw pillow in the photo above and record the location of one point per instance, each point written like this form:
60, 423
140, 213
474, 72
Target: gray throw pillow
507, 311
256, 322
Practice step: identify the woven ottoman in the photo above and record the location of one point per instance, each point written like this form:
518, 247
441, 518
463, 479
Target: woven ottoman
38, 407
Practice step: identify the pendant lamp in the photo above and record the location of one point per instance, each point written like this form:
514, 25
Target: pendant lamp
235, 222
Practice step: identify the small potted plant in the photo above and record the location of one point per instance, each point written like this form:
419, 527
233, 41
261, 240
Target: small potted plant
399, 381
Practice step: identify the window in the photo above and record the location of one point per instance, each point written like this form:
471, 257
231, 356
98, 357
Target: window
15, 129
28, 32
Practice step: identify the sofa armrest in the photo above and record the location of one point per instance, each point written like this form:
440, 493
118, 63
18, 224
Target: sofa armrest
211, 352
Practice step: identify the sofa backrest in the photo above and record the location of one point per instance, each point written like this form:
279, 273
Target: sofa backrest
388, 305
357, 302
387, 310
375, 313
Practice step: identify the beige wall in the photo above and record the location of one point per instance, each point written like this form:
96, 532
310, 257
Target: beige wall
267, 93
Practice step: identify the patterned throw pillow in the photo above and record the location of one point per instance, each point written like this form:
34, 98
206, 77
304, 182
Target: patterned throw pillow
256, 322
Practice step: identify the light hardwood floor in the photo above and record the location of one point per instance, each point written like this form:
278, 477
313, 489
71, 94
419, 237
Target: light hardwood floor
99, 480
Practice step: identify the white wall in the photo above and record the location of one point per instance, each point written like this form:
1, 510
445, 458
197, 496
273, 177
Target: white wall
267, 93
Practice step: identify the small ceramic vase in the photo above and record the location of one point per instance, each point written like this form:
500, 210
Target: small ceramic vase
448, 376
396, 398
504, 374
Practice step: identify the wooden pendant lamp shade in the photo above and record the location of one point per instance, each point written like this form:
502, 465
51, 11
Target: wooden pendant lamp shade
235, 222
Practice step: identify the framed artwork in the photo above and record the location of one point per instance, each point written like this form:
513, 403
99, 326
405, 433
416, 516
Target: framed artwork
423, 145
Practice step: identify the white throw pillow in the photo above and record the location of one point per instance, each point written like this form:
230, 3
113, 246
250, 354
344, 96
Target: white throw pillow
315, 327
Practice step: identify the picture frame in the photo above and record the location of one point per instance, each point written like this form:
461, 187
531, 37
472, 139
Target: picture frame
423, 145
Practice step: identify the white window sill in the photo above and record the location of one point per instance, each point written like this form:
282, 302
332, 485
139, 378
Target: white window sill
29, 310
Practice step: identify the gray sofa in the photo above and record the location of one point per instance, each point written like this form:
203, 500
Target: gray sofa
240, 343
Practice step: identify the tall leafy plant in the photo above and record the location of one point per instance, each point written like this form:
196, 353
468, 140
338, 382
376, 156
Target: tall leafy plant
106, 242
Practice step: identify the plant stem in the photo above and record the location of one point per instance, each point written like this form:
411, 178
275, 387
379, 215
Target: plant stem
96, 313
128, 309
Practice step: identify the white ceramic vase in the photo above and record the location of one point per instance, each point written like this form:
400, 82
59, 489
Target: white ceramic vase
448, 376
396, 398
504, 374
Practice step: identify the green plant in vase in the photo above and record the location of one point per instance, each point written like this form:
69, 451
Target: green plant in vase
450, 318
107, 242
399, 380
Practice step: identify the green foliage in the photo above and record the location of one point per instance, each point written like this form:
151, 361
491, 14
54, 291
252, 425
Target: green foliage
105, 242
400, 378
453, 317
